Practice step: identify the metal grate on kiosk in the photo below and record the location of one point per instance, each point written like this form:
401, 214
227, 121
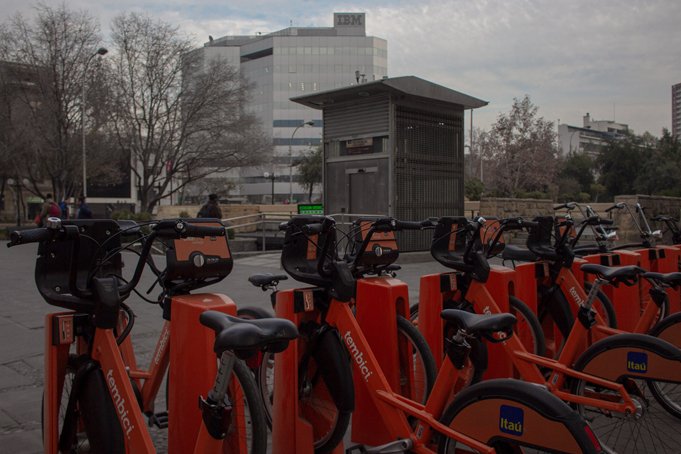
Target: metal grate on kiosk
428, 170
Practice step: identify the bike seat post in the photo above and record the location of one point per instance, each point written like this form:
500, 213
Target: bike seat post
591, 297
225, 366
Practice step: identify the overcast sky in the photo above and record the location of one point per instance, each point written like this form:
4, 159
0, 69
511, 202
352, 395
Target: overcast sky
616, 59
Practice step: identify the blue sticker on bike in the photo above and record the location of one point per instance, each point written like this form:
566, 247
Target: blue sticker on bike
637, 362
511, 420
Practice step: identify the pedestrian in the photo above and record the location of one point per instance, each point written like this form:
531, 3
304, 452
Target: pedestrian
211, 209
50, 209
64, 207
83, 211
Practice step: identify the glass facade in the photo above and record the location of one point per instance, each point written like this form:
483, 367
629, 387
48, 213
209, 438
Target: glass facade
294, 62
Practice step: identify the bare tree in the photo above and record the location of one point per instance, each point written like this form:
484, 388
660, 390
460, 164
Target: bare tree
47, 58
521, 149
310, 170
179, 117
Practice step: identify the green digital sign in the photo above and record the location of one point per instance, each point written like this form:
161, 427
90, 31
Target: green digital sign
314, 208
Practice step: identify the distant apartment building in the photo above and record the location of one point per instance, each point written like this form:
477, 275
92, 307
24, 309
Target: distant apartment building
591, 137
293, 62
676, 110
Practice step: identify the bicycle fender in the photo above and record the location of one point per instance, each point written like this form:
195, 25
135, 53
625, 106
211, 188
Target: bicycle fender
623, 356
524, 412
560, 311
332, 361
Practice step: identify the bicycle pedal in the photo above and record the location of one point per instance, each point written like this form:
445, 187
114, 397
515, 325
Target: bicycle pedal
357, 449
159, 420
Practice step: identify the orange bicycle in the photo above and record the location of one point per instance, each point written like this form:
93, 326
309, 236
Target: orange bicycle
498, 415
91, 396
614, 384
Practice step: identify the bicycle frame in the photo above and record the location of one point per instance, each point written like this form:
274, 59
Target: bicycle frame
528, 364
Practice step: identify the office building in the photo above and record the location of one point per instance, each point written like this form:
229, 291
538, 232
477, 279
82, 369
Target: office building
591, 137
293, 62
676, 110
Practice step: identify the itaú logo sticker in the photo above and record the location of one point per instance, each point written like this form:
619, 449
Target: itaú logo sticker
637, 362
511, 420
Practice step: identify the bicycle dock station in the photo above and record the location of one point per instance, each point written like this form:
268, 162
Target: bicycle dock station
379, 301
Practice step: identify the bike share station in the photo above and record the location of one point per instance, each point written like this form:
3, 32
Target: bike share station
395, 146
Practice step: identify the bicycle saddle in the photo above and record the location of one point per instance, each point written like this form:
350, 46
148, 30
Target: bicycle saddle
479, 323
673, 279
266, 279
614, 275
518, 254
246, 337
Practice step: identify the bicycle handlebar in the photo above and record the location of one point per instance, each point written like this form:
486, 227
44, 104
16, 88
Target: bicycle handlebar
31, 236
619, 206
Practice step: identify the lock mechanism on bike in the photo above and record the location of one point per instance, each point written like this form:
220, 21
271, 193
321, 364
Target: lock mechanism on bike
216, 416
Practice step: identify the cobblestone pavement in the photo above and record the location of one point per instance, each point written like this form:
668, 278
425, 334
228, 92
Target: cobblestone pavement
22, 315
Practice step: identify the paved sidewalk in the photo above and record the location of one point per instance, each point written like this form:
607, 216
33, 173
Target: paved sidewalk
22, 315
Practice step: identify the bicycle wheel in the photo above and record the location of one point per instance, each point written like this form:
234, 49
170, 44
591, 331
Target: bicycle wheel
668, 394
650, 429
316, 404
528, 329
515, 417
417, 366
264, 378
603, 306
249, 436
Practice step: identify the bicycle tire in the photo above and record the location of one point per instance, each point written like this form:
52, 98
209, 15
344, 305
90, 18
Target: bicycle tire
668, 394
652, 427
421, 366
248, 403
253, 313
603, 306
567, 430
528, 329
316, 405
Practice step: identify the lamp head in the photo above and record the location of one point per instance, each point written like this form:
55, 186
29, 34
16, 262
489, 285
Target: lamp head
102, 51
311, 123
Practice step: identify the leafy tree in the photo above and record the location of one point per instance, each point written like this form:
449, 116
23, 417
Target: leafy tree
661, 169
177, 116
310, 170
474, 189
41, 128
620, 164
521, 149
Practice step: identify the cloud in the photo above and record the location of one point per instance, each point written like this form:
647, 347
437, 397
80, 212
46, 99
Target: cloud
613, 59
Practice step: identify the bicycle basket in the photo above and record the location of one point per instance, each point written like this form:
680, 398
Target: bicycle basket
301, 253
449, 245
198, 259
382, 247
99, 242
539, 239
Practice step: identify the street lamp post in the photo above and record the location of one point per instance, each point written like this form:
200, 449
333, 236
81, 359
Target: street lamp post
290, 153
573, 133
100, 51
272, 177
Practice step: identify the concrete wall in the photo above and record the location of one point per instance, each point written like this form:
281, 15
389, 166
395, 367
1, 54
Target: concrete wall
505, 208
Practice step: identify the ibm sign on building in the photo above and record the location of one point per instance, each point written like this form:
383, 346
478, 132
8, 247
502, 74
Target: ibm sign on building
349, 23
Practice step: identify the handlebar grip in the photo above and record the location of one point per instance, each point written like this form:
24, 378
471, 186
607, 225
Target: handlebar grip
313, 229
204, 230
607, 210
30, 236
607, 221
528, 224
560, 207
283, 226
406, 225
